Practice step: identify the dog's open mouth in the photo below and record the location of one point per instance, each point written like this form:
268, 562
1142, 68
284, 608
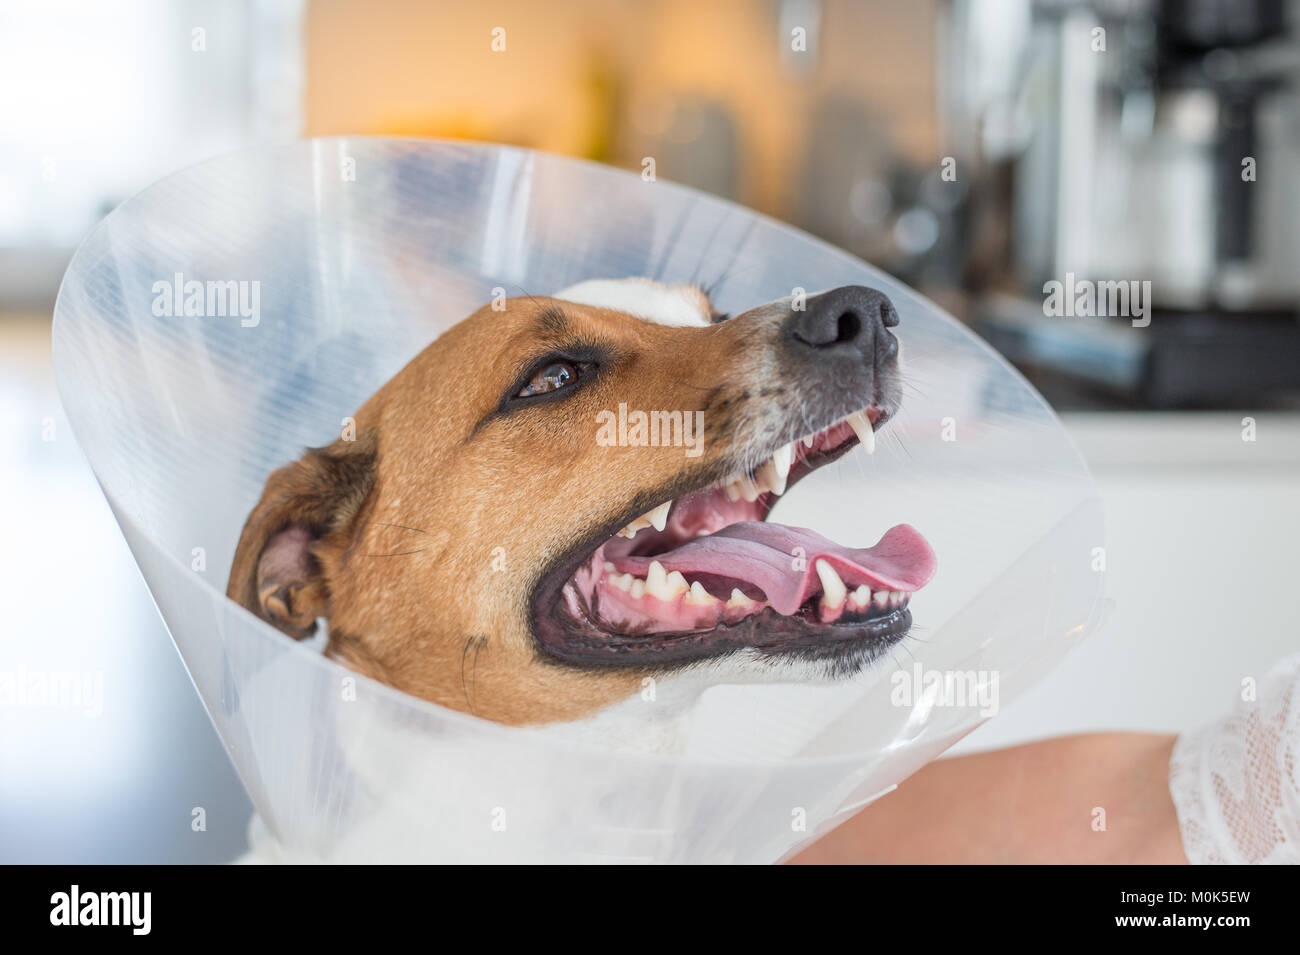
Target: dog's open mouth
706, 574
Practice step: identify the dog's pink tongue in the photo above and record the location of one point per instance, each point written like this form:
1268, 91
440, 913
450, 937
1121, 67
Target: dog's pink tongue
780, 561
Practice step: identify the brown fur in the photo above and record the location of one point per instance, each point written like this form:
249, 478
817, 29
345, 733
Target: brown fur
411, 521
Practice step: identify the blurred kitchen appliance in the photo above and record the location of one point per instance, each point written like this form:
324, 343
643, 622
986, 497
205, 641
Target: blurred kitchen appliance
1150, 141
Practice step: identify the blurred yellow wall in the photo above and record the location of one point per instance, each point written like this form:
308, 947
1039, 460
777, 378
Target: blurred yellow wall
590, 78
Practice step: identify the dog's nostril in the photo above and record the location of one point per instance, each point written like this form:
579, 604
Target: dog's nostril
851, 316
847, 327
829, 328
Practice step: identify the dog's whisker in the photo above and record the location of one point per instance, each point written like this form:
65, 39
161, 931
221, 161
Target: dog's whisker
728, 273
473, 678
404, 553
895, 440
464, 687
699, 263
405, 527
913, 635
526, 294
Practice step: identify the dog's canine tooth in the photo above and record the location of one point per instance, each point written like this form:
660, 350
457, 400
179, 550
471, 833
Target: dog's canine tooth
861, 426
833, 589
783, 460
658, 518
738, 599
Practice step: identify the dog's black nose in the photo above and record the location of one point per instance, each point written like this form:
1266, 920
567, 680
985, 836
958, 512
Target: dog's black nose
851, 315
847, 320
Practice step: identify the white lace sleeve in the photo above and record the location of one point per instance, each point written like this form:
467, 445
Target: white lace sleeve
1235, 782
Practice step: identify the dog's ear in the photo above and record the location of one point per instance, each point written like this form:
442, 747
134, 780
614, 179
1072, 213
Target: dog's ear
318, 500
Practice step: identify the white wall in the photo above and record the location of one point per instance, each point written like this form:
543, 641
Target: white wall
1203, 561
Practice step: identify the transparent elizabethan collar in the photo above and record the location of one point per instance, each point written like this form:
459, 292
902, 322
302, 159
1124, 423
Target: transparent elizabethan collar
351, 255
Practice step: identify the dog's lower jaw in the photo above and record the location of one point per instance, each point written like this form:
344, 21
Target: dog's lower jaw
658, 719
655, 720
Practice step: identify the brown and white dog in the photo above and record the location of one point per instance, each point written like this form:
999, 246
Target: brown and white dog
560, 497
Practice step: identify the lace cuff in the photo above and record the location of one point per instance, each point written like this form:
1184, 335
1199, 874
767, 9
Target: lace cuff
1234, 782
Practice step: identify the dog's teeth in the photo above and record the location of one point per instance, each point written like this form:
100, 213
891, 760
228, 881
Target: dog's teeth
677, 584
880, 598
637, 588
663, 585
738, 599
833, 589
783, 458
861, 426
609, 567
637, 525
748, 489
698, 595
656, 579
809, 440
896, 598
742, 486
658, 518
862, 596
774, 471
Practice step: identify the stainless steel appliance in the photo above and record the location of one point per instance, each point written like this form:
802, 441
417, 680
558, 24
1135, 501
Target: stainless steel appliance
1139, 140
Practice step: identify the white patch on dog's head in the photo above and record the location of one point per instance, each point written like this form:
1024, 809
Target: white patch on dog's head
644, 298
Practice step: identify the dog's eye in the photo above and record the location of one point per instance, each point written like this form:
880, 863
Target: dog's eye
553, 377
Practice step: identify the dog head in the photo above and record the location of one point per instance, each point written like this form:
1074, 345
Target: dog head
562, 496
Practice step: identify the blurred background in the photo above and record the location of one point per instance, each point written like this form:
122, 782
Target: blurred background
978, 149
